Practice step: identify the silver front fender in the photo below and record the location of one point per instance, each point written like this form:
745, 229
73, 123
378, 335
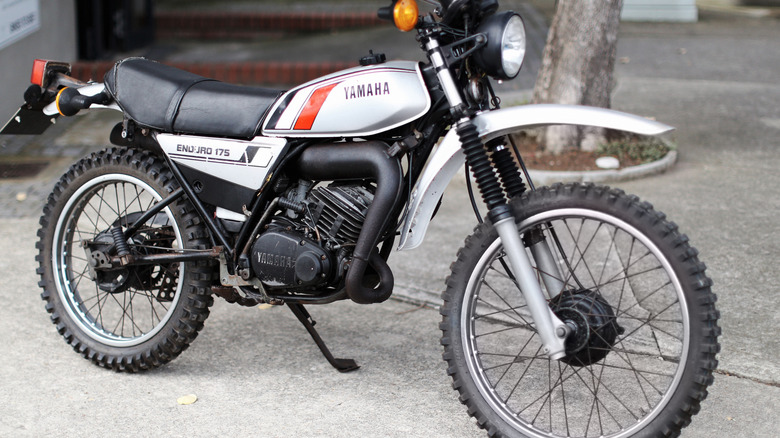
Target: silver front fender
448, 157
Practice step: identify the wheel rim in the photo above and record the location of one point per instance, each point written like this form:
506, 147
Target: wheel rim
134, 314
615, 396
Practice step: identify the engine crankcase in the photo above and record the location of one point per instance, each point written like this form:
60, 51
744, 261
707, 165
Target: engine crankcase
287, 259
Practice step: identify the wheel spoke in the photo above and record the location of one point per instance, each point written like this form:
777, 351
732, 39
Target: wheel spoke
527, 367
512, 362
138, 311
581, 251
501, 330
509, 307
625, 364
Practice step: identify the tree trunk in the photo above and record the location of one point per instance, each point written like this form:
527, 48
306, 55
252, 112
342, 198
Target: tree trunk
577, 67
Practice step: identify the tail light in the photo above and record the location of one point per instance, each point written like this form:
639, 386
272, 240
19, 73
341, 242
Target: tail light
42, 68
39, 67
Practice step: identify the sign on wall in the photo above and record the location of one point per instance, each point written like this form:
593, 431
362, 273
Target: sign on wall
18, 18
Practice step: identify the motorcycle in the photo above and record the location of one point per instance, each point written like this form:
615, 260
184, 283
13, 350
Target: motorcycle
572, 310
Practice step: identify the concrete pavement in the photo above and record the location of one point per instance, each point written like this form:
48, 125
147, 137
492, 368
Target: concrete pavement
256, 373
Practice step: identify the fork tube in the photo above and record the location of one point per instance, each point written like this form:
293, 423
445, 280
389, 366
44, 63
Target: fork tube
443, 73
550, 328
535, 240
548, 269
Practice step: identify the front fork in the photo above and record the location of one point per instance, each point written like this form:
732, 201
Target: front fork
552, 331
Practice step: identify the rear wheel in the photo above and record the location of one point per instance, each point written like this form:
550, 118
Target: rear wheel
637, 300
125, 318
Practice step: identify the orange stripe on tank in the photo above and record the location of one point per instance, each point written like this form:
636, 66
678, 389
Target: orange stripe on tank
312, 107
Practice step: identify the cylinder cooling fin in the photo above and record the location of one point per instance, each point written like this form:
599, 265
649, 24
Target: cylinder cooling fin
340, 210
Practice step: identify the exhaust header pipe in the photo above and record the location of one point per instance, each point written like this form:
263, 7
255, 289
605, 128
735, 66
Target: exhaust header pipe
358, 161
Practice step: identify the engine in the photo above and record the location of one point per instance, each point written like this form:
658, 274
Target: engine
339, 211
283, 258
307, 247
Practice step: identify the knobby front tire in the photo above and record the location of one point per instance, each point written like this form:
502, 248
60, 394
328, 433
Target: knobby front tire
643, 349
134, 318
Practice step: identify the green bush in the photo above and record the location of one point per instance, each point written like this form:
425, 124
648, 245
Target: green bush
642, 150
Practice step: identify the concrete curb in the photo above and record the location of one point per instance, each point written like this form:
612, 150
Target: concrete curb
547, 177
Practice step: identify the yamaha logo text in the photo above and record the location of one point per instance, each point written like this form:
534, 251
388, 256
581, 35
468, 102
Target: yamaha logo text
275, 260
366, 90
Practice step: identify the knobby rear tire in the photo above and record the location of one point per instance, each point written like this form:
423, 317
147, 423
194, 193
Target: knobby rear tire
614, 249
134, 319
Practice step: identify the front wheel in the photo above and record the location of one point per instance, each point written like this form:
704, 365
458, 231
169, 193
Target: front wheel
643, 323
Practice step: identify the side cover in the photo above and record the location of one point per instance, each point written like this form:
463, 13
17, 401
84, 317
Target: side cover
223, 172
357, 102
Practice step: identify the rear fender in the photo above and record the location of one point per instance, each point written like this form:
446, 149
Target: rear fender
448, 157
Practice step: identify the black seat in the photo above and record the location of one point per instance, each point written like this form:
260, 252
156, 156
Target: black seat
172, 100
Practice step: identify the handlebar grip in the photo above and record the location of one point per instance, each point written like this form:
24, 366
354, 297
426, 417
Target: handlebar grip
385, 13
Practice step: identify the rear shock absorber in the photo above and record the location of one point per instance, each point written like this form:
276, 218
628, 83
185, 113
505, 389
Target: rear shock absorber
122, 248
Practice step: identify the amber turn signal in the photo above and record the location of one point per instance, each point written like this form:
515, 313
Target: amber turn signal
57, 101
405, 14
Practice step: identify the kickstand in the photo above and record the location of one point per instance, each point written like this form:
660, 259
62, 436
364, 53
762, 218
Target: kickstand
343, 365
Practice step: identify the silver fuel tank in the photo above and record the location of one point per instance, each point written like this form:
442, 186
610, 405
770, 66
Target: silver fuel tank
357, 102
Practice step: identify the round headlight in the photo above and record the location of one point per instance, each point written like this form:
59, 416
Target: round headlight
513, 46
503, 55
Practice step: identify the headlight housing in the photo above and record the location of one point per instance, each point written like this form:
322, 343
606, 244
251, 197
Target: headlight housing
503, 55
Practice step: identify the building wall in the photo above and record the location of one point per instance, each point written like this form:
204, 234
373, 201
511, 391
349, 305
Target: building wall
765, 3
55, 39
659, 10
